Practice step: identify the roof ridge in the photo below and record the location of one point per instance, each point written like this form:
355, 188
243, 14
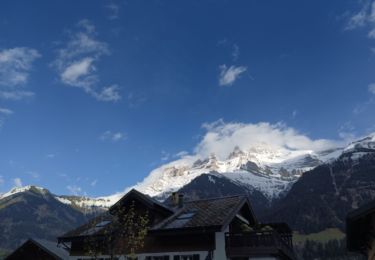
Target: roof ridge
216, 198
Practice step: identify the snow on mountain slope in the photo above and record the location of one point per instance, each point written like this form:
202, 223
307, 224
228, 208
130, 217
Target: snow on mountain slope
16, 190
262, 167
87, 202
269, 170
78, 201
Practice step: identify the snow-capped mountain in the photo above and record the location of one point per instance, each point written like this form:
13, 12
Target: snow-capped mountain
264, 168
80, 202
323, 197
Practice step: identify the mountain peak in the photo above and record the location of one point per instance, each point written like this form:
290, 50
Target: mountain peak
16, 190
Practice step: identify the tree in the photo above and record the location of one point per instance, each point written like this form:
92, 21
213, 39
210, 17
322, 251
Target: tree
132, 227
123, 235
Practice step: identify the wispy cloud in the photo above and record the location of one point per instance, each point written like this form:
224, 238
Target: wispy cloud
235, 52
113, 136
73, 189
364, 18
371, 88
16, 94
229, 75
5, 111
50, 155
15, 67
93, 183
17, 182
165, 156
110, 93
114, 10
16, 64
76, 62
363, 106
295, 113
347, 131
33, 174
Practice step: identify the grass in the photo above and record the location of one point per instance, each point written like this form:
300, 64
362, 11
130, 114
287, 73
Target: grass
323, 236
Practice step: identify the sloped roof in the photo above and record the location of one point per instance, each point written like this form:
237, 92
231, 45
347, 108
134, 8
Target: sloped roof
102, 223
213, 213
95, 226
209, 214
142, 197
52, 248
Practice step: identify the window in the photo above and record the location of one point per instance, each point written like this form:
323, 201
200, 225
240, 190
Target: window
186, 257
164, 257
186, 215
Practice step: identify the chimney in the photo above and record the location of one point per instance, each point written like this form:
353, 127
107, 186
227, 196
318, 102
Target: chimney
174, 199
180, 200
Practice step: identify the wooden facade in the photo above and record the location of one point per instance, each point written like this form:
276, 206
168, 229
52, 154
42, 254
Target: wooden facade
205, 229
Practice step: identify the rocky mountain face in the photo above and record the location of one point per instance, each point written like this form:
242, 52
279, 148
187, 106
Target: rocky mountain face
263, 168
34, 212
322, 197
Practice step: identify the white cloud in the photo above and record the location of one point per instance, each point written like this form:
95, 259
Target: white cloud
51, 156
93, 183
113, 136
294, 113
73, 189
165, 156
15, 65
364, 18
16, 94
347, 132
33, 174
371, 88
221, 138
235, 52
114, 10
80, 74
76, 62
110, 93
229, 75
5, 111
17, 182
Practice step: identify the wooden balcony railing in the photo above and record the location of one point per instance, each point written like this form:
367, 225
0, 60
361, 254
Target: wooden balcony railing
247, 244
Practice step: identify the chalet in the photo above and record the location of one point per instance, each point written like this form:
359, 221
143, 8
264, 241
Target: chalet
360, 230
216, 228
39, 249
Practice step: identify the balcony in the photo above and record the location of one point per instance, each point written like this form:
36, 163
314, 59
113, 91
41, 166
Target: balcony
263, 243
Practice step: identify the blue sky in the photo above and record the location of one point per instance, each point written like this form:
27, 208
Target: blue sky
96, 94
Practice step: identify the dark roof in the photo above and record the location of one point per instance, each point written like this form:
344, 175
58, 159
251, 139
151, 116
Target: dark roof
359, 227
213, 213
133, 193
52, 248
95, 226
